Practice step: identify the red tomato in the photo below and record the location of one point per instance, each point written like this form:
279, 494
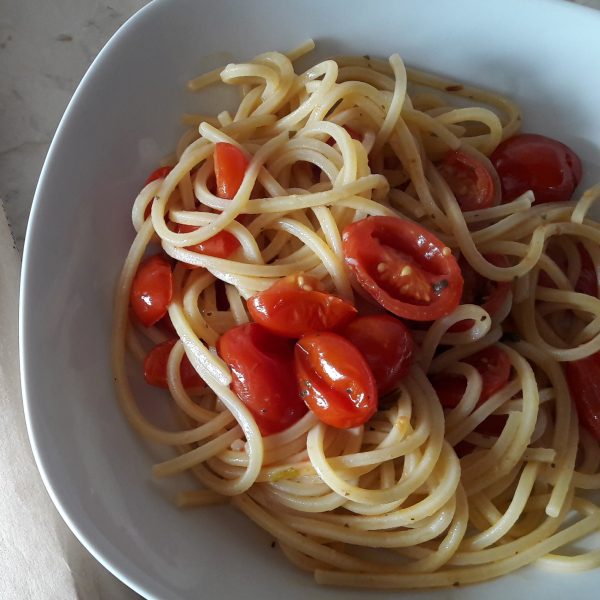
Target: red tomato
588, 279
538, 163
155, 367
262, 365
404, 267
493, 365
583, 377
480, 290
295, 306
151, 290
230, 167
159, 173
468, 178
220, 245
386, 344
335, 380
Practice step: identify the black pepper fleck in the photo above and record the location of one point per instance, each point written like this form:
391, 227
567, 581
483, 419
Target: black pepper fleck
439, 286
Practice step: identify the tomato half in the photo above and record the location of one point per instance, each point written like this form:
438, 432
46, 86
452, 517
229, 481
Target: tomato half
469, 180
583, 377
494, 367
404, 267
230, 167
159, 173
480, 290
262, 365
220, 245
587, 283
386, 344
151, 290
155, 368
335, 380
534, 162
296, 305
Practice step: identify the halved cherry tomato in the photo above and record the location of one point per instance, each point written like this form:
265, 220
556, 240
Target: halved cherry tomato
587, 283
535, 162
262, 365
159, 173
155, 368
468, 178
230, 167
220, 245
480, 290
404, 267
296, 305
493, 365
583, 377
151, 290
386, 344
335, 380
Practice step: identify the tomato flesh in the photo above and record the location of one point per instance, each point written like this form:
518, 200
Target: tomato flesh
295, 306
262, 365
403, 267
151, 290
469, 180
220, 245
583, 377
230, 168
155, 367
387, 345
535, 162
335, 380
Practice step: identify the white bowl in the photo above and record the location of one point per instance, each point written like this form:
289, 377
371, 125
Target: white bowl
123, 118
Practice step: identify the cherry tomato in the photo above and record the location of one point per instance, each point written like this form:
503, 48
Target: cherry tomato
468, 178
404, 267
588, 280
230, 167
386, 344
538, 163
295, 306
335, 380
220, 245
262, 365
159, 173
155, 368
151, 290
583, 377
493, 365
480, 290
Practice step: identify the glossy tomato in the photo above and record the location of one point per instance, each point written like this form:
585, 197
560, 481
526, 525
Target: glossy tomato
335, 380
151, 290
220, 245
469, 180
480, 290
538, 163
386, 344
155, 367
230, 168
494, 367
296, 305
262, 365
159, 173
583, 377
404, 267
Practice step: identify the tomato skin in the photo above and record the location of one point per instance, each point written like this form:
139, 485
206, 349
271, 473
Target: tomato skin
159, 173
479, 290
262, 366
151, 290
494, 367
583, 377
335, 380
403, 267
230, 167
387, 345
535, 162
588, 280
295, 306
468, 178
155, 367
220, 245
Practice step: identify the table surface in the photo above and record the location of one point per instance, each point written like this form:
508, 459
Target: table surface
37, 84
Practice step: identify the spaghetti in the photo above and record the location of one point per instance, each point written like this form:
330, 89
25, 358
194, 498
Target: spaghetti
396, 483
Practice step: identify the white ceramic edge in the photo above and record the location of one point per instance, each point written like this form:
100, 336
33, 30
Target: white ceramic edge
89, 544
